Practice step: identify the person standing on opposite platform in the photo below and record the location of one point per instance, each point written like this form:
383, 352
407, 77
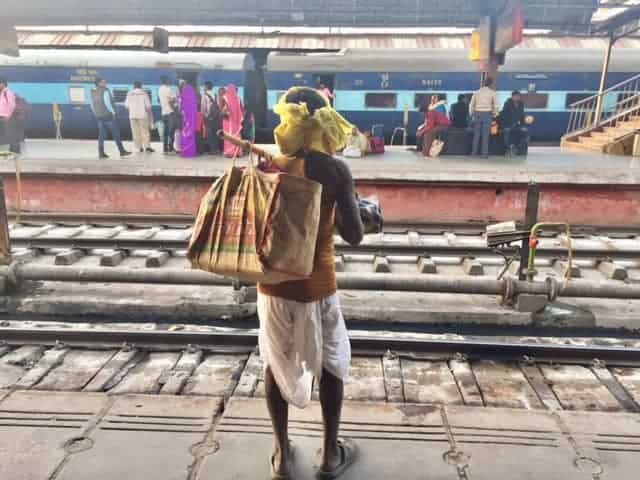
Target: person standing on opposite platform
141, 117
302, 330
212, 118
460, 113
232, 119
103, 109
326, 92
483, 107
7, 108
167, 101
189, 111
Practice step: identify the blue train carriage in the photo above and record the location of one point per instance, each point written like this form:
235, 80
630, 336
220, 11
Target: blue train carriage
374, 87
66, 77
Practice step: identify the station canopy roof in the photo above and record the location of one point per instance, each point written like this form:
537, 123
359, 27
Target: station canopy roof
557, 15
290, 41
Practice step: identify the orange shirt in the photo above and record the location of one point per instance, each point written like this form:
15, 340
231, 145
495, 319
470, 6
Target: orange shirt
322, 282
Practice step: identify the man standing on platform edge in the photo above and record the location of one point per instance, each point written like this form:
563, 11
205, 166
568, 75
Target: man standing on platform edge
140, 116
167, 109
483, 107
302, 331
103, 109
212, 118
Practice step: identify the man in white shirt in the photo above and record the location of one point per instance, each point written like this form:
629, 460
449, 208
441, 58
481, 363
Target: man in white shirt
483, 107
167, 106
141, 117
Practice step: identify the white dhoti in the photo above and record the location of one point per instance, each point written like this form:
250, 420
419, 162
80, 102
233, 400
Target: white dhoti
298, 340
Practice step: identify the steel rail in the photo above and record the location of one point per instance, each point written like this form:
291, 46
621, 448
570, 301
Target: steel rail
115, 219
246, 341
506, 287
387, 249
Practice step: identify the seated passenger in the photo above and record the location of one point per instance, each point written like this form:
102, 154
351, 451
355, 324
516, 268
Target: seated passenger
436, 123
514, 127
420, 131
459, 113
354, 145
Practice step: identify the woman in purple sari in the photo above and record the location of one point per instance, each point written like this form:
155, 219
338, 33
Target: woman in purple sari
189, 110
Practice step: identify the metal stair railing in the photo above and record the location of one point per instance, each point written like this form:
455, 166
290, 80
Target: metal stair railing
598, 111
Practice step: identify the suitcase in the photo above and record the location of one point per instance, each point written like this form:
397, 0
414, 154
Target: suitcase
457, 141
376, 143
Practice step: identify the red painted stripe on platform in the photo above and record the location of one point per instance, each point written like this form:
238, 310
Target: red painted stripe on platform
584, 204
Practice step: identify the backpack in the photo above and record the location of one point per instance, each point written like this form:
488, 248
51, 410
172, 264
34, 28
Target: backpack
213, 118
23, 109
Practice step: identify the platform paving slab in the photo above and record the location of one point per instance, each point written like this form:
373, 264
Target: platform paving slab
78, 436
511, 444
36, 429
605, 443
412, 442
418, 441
145, 437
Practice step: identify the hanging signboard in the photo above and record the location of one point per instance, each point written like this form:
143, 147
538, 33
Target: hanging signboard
481, 41
509, 28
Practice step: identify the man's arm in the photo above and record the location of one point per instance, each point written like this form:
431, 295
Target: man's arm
472, 104
107, 102
348, 218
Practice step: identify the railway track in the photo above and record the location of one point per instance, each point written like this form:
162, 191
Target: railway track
531, 373
413, 243
148, 220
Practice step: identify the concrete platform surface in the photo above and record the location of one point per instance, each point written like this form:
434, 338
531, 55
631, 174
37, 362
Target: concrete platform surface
78, 436
543, 164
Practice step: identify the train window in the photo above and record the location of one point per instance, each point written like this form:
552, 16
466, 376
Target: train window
575, 98
381, 100
535, 100
77, 95
120, 95
424, 99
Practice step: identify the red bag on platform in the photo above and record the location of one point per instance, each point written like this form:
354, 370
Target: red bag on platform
376, 145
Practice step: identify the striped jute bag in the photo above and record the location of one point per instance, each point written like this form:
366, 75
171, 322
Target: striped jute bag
257, 226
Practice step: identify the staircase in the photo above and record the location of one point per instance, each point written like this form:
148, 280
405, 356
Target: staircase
606, 122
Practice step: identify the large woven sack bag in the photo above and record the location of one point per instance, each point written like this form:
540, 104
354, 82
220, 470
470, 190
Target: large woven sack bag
257, 226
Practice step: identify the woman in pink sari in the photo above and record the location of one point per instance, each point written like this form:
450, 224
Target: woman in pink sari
189, 109
232, 121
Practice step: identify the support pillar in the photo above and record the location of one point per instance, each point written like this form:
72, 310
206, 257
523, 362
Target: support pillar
603, 80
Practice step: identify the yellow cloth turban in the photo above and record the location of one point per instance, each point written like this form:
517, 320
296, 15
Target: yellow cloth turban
325, 131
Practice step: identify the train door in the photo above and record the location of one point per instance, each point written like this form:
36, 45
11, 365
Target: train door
191, 77
326, 79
